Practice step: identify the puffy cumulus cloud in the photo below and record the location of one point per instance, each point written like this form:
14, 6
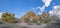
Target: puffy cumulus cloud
55, 10
47, 2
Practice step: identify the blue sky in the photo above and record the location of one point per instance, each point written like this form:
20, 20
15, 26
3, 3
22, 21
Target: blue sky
20, 7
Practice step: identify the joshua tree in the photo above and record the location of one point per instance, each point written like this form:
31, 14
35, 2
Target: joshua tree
8, 17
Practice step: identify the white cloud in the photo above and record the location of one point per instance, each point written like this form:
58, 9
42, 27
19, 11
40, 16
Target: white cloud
56, 7
41, 9
55, 10
47, 2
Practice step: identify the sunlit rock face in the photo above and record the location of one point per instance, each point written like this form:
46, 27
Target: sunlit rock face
31, 15
55, 11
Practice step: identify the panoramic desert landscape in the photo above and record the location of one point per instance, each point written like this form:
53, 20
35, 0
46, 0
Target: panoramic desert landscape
29, 13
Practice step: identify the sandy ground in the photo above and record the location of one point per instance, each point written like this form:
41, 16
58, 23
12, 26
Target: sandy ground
32, 26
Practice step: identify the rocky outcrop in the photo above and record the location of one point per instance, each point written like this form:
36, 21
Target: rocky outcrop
32, 16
